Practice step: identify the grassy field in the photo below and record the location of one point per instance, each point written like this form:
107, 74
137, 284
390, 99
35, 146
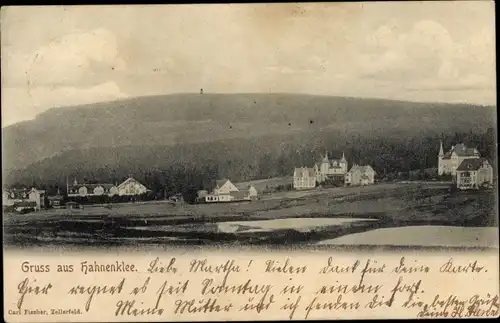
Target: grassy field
324, 214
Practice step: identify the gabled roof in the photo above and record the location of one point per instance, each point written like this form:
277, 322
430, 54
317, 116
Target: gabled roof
128, 180
221, 182
361, 169
462, 151
472, 164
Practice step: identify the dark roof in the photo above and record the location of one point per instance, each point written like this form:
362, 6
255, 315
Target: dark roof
92, 186
239, 194
243, 186
462, 151
55, 197
471, 164
17, 190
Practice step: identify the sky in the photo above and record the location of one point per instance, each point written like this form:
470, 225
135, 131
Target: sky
419, 51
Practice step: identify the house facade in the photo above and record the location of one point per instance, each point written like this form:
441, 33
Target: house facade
473, 173
326, 169
449, 162
12, 197
330, 168
87, 190
225, 191
37, 196
304, 178
360, 175
224, 187
131, 187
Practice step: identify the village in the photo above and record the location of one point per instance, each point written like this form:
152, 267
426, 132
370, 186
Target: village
467, 169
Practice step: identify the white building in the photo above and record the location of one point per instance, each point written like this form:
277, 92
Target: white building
224, 186
473, 173
360, 176
11, 197
304, 178
326, 169
449, 162
84, 189
330, 168
225, 191
131, 187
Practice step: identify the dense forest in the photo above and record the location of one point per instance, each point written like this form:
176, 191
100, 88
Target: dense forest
250, 121
187, 167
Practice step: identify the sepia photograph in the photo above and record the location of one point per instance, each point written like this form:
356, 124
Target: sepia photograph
280, 125
246, 162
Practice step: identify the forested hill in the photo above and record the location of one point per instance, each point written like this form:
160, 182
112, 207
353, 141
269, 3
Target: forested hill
187, 118
182, 166
241, 136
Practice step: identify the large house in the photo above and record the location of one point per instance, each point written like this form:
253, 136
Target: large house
326, 169
87, 190
473, 173
330, 168
13, 197
449, 162
304, 178
131, 187
360, 175
225, 191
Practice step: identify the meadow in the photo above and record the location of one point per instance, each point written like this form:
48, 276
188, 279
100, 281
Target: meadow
284, 218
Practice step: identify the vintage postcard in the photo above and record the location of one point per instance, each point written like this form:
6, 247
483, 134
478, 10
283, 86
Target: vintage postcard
242, 162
